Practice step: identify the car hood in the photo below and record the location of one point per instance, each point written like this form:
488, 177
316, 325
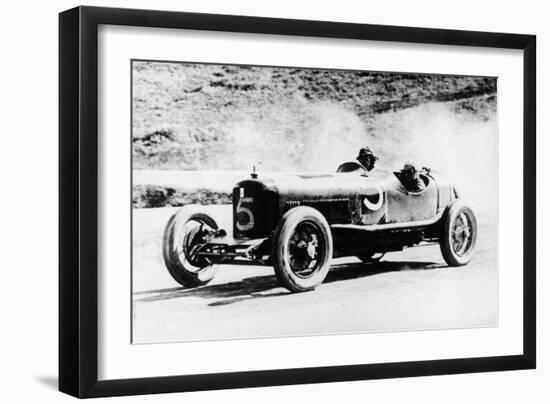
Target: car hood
326, 186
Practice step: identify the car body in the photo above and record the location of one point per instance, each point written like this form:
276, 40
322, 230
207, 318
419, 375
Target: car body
299, 222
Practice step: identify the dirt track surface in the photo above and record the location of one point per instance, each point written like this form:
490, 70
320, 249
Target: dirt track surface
412, 289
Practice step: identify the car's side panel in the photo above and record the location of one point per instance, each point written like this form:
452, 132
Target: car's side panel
376, 198
371, 205
404, 206
446, 191
340, 197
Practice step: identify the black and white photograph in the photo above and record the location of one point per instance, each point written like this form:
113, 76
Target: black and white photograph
273, 201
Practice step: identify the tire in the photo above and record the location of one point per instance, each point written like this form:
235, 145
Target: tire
302, 249
459, 234
180, 236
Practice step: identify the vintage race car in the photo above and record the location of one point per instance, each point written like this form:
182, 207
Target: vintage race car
298, 223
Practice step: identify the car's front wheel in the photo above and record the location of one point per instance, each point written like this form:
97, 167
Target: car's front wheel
186, 231
459, 234
302, 249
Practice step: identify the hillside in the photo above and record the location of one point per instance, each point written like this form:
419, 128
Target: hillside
221, 117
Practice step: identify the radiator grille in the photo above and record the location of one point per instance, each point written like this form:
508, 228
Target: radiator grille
335, 210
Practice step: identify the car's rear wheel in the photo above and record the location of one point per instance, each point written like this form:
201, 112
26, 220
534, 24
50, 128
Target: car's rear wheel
186, 231
302, 249
459, 234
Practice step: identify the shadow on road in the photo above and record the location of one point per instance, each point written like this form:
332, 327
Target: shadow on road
255, 287
359, 270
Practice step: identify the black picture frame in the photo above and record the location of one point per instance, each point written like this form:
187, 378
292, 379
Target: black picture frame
78, 201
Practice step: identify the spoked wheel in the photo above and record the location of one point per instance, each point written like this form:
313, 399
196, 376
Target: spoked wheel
185, 233
462, 234
302, 249
459, 234
194, 233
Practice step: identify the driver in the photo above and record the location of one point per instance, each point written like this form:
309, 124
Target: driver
366, 158
410, 177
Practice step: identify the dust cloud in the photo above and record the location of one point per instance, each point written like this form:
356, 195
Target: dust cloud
459, 143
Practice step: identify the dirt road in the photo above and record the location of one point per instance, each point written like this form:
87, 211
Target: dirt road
412, 289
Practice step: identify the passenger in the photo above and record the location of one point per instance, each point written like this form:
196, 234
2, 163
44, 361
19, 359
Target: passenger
366, 158
410, 177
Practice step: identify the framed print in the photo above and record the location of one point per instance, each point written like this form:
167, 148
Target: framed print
251, 201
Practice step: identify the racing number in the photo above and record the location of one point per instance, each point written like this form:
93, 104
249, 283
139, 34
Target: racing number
374, 206
245, 218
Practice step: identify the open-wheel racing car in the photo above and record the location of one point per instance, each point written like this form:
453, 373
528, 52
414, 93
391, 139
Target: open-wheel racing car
298, 223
